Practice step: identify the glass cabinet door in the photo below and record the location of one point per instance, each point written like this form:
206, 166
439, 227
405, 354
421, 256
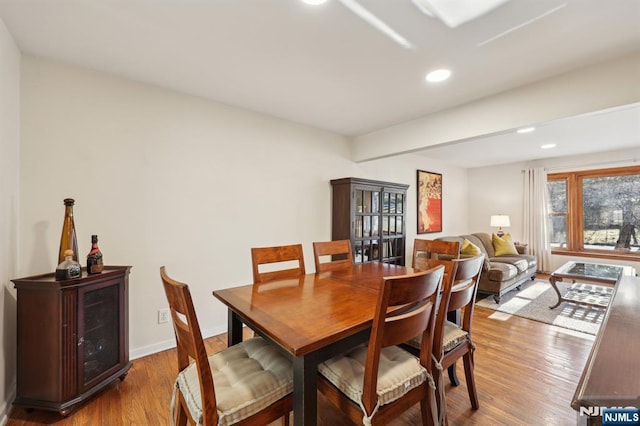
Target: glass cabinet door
99, 331
367, 225
393, 231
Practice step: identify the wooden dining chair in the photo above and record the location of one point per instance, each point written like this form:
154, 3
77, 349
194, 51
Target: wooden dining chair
246, 384
452, 341
457, 339
434, 249
374, 383
278, 254
340, 252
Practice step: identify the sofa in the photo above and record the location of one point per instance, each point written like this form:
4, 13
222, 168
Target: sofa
500, 273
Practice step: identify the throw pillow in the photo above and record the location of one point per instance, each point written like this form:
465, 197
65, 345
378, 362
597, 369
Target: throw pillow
503, 246
469, 248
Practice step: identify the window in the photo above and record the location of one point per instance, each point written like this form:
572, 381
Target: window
595, 211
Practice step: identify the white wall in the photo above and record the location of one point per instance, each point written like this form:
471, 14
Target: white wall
168, 179
499, 189
496, 190
9, 210
403, 168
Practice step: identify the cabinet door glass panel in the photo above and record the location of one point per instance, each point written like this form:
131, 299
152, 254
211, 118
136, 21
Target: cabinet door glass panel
385, 202
385, 225
399, 224
375, 202
399, 203
367, 201
101, 330
374, 226
366, 221
358, 230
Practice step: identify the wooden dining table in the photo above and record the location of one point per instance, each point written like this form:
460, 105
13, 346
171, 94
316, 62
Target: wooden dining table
311, 319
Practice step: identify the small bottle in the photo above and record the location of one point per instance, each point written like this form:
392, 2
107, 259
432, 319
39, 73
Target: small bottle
95, 264
68, 240
69, 269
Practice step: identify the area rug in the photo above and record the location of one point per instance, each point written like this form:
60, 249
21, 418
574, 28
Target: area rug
534, 299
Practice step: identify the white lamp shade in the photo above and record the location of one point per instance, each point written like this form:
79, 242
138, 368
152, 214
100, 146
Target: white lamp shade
500, 220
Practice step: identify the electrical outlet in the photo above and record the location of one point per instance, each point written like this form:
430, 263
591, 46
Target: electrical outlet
163, 316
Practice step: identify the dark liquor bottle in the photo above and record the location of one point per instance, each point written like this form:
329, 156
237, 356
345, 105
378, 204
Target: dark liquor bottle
95, 264
69, 269
68, 240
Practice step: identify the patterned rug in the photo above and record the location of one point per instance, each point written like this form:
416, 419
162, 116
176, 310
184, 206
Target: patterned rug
535, 297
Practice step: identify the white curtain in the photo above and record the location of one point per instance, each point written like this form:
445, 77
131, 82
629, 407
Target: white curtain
535, 216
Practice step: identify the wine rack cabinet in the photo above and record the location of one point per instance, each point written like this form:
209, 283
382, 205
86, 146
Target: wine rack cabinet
72, 337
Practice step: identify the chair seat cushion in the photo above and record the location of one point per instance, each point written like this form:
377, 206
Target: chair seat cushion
398, 373
453, 336
247, 377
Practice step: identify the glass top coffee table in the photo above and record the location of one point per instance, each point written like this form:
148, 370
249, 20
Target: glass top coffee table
588, 294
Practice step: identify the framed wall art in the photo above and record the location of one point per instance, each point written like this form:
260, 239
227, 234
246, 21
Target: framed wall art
429, 202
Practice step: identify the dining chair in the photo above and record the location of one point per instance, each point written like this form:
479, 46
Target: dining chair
457, 341
453, 341
375, 382
340, 252
277, 254
434, 249
246, 384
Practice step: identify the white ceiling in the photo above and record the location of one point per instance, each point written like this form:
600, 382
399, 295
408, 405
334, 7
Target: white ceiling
610, 130
323, 65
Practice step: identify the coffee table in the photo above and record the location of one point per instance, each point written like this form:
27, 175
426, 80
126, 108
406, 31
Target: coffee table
597, 296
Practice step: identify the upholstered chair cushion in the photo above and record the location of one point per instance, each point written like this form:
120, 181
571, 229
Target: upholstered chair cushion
453, 336
399, 372
469, 248
247, 377
504, 245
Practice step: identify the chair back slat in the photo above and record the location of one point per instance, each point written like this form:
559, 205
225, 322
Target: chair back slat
278, 254
189, 341
465, 284
340, 252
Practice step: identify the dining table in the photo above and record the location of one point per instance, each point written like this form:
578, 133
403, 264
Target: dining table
311, 318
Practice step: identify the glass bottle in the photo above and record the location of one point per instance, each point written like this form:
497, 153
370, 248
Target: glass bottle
95, 264
68, 269
68, 240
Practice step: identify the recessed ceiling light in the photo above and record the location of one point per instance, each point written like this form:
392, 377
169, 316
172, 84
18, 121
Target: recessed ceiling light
314, 2
526, 130
437, 76
548, 145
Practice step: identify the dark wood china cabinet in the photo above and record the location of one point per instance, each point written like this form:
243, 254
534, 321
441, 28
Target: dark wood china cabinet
371, 214
72, 337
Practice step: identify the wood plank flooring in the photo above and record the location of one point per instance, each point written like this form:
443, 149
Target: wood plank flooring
526, 373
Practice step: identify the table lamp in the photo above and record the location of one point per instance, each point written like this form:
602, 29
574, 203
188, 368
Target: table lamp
498, 221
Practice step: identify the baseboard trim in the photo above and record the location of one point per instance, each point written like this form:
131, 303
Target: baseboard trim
170, 344
6, 405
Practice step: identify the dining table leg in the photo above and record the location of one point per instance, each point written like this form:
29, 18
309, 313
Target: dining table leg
454, 317
305, 396
234, 328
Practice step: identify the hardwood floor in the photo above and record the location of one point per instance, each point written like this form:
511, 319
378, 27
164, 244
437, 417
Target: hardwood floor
526, 373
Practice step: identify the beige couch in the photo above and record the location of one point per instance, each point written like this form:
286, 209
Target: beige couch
500, 274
